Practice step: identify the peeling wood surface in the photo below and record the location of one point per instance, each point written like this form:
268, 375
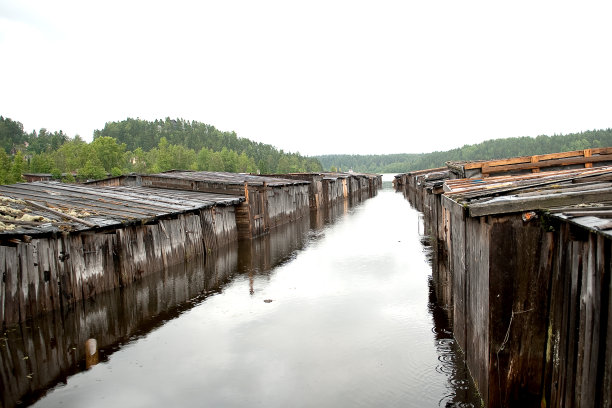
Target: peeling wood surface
101, 206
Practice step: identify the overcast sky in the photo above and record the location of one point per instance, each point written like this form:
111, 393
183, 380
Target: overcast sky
313, 76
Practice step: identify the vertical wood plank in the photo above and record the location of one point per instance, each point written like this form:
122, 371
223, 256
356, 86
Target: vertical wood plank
606, 344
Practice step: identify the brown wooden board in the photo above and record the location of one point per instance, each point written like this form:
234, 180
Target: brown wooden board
476, 300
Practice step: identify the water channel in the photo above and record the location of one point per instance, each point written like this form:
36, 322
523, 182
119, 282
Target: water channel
335, 310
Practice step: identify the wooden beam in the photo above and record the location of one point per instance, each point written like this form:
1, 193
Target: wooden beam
61, 214
504, 205
541, 157
549, 163
588, 153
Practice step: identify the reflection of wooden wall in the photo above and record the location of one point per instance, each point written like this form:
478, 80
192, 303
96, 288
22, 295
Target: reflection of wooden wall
53, 343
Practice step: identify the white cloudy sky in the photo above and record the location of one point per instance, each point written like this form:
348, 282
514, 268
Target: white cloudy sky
312, 76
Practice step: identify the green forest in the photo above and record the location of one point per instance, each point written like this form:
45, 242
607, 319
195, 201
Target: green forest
487, 150
139, 146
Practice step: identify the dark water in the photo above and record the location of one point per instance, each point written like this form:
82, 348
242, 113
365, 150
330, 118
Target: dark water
336, 310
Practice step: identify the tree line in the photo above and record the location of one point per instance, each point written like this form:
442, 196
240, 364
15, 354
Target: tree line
139, 146
487, 150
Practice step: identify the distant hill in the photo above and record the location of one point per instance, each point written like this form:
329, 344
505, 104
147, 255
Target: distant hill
146, 135
135, 145
487, 150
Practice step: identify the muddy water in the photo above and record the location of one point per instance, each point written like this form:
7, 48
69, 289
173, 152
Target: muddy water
336, 310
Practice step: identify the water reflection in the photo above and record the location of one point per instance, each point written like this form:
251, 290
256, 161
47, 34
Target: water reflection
461, 389
44, 352
335, 310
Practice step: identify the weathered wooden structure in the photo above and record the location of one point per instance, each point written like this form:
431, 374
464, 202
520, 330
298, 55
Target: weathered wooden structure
327, 188
53, 343
268, 201
414, 184
32, 177
62, 243
523, 264
534, 164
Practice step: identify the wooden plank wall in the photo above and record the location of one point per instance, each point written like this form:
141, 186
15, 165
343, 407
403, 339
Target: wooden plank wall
475, 304
518, 274
332, 191
315, 188
531, 309
458, 267
266, 206
286, 204
579, 347
531, 306
47, 273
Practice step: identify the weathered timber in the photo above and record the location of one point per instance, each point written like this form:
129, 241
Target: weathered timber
53, 342
529, 261
48, 264
587, 158
270, 201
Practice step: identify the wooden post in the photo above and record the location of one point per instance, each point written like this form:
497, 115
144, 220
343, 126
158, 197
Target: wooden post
264, 207
588, 153
535, 159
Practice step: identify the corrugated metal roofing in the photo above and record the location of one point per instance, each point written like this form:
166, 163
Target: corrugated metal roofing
227, 178
36, 207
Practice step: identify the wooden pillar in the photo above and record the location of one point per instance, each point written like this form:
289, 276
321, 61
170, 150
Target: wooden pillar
535, 159
588, 153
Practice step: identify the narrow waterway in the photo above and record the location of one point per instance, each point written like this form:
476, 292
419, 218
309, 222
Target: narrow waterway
336, 310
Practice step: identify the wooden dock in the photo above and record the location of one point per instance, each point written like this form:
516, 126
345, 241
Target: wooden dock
522, 262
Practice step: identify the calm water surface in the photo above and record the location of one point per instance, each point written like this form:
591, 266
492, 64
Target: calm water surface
318, 314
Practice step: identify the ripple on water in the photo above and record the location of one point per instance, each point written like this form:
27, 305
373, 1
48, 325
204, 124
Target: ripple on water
447, 402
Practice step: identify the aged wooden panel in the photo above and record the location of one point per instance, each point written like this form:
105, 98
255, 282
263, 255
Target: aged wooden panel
11, 275
476, 302
519, 286
458, 265
606, 338
3, 277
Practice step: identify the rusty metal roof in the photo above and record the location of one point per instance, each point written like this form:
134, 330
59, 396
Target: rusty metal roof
43, 207
227, 178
